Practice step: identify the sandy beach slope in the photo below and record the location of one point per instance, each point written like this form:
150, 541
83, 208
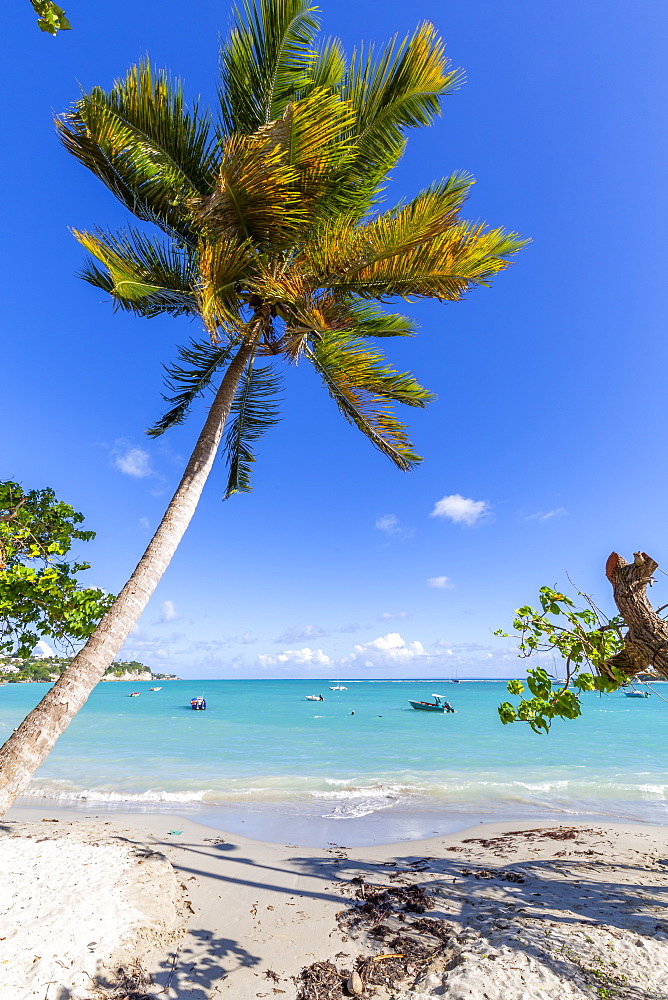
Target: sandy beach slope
499, 912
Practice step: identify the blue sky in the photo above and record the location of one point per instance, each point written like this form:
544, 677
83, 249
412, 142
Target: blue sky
551, 411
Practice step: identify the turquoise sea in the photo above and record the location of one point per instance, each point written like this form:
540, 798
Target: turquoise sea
264, 761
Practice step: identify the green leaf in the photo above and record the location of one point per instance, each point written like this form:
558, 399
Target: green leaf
507, 713
51, 18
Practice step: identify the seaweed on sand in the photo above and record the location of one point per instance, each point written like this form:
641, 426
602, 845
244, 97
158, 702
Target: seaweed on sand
390, 917
130, 983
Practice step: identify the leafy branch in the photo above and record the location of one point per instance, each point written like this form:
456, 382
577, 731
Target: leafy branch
39, 590
50, 17
582, 637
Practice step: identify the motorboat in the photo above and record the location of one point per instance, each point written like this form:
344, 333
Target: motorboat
314, 697
155, 689
197, 704
636, 694
339, 687
439, 704
134, 694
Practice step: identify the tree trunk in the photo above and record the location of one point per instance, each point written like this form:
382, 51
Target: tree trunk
25, 750
646, 642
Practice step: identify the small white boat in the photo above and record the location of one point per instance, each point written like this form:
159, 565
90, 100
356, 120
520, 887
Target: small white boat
155, 689
314, 697
134, 694
339, 687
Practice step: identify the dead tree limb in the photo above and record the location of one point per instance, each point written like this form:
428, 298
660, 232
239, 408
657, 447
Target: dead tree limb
646, 642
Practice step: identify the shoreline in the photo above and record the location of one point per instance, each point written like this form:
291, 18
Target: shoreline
520, 906
279, 823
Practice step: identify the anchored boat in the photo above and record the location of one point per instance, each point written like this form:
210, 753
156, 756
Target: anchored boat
197, 704
439, 704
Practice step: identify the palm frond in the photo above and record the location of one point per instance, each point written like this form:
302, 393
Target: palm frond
225, 266
431, 212
140, 139
401, 88
141, 274
341, 247
199, 362
368, 320
444, 267
328, 68
265, 62
254, 411
312, 133
363, 387
256, 195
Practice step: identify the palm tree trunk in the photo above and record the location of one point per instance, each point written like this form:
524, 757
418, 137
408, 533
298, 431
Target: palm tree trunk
25, 750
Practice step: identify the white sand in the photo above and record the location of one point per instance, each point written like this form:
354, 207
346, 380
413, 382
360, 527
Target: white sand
584, 918
75, 906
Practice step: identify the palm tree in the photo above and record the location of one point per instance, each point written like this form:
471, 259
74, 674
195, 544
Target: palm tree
262, 221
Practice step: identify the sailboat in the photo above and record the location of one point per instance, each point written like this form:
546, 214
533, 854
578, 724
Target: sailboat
338, 686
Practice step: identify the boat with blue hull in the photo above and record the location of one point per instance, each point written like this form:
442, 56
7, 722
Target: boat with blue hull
439, 704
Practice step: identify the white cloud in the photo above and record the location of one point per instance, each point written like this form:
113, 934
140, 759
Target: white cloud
144, 523
441, 583
248, 638
389, 615
386, 650
301, 657
461, 510
547, 515
132, 461
391, 525
388, 523
167, 613
299, 634
42, 649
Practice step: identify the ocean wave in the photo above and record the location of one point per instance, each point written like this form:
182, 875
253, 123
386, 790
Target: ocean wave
356, 796
102, 795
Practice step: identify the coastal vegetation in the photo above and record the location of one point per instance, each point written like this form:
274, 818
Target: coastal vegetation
40, 593
268, 230
15, 670
585, 637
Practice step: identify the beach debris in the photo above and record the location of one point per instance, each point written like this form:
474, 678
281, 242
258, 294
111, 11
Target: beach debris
390, 917
503, 876
321, 981
130, 983
354, 983
174, 833
270, 974
381, 900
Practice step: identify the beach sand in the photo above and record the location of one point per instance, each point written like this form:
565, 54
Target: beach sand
506, 911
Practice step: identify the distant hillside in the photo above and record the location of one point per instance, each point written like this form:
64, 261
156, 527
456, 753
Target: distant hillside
41, 669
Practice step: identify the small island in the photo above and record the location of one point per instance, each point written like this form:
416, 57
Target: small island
45, 669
